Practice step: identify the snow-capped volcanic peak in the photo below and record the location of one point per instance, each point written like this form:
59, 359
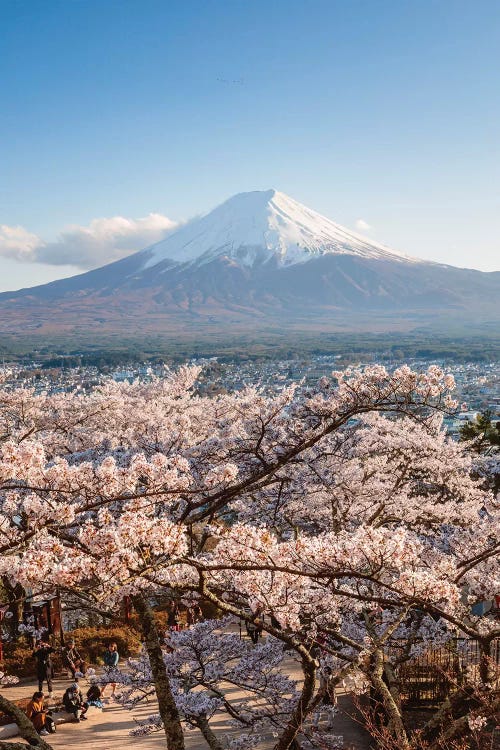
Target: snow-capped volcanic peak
255, 227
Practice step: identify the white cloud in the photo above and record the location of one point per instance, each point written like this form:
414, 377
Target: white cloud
363, 225
17, 242
101, 242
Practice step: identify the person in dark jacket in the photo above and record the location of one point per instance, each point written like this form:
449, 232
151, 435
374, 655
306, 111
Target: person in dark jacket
73, 702
72, 660
253, 631
42, 654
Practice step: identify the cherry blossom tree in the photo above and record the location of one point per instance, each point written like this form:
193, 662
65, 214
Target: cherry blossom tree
344, 512
206, 664
400, 533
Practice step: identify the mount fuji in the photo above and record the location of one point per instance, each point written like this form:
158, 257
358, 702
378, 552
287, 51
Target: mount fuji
260, 261
262, 226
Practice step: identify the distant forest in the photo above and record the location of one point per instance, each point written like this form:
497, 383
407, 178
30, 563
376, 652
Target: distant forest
116, 352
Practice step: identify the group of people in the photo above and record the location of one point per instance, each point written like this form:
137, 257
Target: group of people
73, 700
73, 703
71, 659
174, 620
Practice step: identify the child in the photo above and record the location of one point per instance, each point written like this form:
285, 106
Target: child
94, 696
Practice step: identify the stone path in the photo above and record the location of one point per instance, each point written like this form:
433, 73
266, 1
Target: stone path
108, 730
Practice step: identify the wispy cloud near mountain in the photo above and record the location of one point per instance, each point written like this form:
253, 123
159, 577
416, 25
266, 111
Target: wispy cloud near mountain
362, 225
260, 261
100, 242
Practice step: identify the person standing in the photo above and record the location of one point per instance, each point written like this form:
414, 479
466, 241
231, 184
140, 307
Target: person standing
111, 659
194, 615
253, 631
197, 614
327, 686
328, 704
42, 655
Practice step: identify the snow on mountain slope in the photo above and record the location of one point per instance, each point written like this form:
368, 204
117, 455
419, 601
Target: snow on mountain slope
259, 262
255, 227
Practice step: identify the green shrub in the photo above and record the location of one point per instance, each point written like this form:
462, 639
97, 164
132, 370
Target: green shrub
92, 642
18, 660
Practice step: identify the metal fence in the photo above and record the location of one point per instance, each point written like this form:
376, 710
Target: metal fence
427, 676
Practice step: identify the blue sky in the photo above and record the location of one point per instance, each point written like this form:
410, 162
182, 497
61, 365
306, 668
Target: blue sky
377, 113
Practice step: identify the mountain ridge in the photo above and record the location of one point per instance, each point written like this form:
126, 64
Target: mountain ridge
258, 260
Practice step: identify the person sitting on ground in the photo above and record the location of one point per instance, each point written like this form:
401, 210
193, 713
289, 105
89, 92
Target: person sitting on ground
39, 715
111, 659
94, 696
73, 702
73, 661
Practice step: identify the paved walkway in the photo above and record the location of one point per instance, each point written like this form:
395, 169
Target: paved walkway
108, 730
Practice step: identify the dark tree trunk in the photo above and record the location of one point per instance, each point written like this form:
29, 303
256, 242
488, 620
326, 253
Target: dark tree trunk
26, 728
212, 741
167, 708
392, 710
288, 741
485, 667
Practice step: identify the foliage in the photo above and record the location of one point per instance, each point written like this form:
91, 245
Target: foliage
484, 437
484, 433
108, 351
204, 663
92, 642
18, 659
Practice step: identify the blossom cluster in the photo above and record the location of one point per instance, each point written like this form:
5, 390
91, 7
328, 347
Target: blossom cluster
341, 517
